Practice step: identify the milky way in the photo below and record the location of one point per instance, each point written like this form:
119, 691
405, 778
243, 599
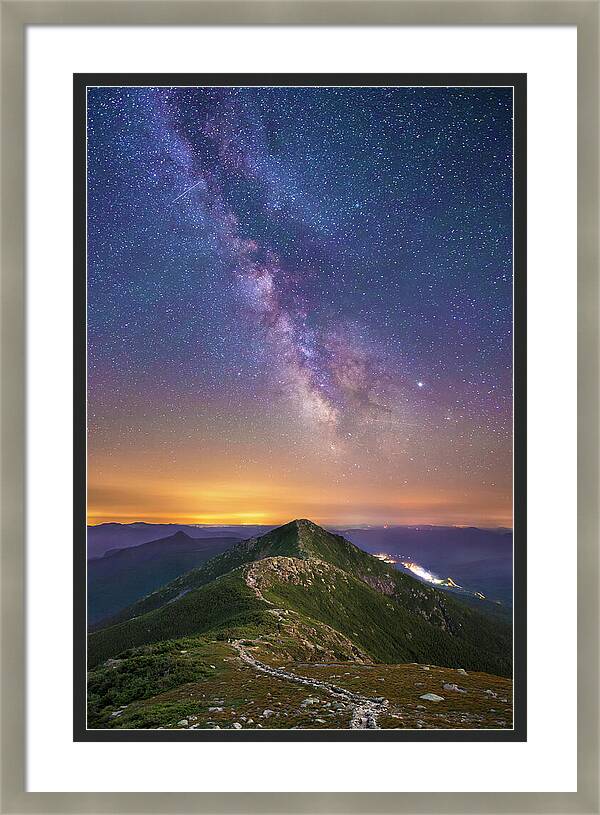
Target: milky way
319, 275
332, 377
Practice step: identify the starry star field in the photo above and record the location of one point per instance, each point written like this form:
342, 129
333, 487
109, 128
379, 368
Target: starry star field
300, 304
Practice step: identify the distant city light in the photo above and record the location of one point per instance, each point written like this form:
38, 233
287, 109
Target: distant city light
386, 558
421, 572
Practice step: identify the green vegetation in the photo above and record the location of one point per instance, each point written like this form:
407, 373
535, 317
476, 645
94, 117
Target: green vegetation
377, 624
223, 691
382, 628
221, 607
283, 541
140, 673
297, 594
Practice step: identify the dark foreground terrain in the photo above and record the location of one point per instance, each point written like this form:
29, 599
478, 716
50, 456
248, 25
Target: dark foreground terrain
298, 628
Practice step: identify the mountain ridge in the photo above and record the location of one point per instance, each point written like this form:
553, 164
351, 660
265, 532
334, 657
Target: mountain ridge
313, 575
125, 575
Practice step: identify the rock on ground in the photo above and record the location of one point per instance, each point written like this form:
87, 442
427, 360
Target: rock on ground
432, 697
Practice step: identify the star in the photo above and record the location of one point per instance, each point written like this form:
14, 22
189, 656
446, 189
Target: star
274, 273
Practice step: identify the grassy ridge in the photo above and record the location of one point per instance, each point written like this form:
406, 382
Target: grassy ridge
303, 539
282, 541
383, 628
317, 591
222, 691
224, 605
298, 596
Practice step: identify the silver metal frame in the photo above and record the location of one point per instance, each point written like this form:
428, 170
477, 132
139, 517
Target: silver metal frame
15, 16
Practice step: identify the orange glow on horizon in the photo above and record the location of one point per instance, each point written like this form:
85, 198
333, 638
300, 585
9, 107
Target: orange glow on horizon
216, 477
265, 505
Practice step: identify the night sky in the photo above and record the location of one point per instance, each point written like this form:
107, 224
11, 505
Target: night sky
300, 305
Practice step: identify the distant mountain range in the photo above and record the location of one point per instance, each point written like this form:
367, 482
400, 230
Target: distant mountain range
125, 575
297, 594
103, 537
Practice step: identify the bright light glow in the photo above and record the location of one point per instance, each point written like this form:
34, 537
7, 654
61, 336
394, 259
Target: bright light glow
386, 558
421, 572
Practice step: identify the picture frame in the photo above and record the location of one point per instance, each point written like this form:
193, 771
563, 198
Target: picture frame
84, 88
16, 16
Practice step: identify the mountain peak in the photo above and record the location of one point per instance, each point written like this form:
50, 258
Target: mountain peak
180, 535
301, 539
304, 538
300, 523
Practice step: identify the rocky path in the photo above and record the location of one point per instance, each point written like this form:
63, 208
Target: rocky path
366, 711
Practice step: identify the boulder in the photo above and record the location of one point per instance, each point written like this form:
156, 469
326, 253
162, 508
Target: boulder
432, 697
453, 686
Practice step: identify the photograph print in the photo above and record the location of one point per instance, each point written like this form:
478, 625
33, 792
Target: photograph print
299, 345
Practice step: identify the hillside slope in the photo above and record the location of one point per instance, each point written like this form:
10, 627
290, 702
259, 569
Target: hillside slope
303, 539
123, 576
302, 575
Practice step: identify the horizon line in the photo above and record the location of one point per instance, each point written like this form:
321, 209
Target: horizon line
276, 524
